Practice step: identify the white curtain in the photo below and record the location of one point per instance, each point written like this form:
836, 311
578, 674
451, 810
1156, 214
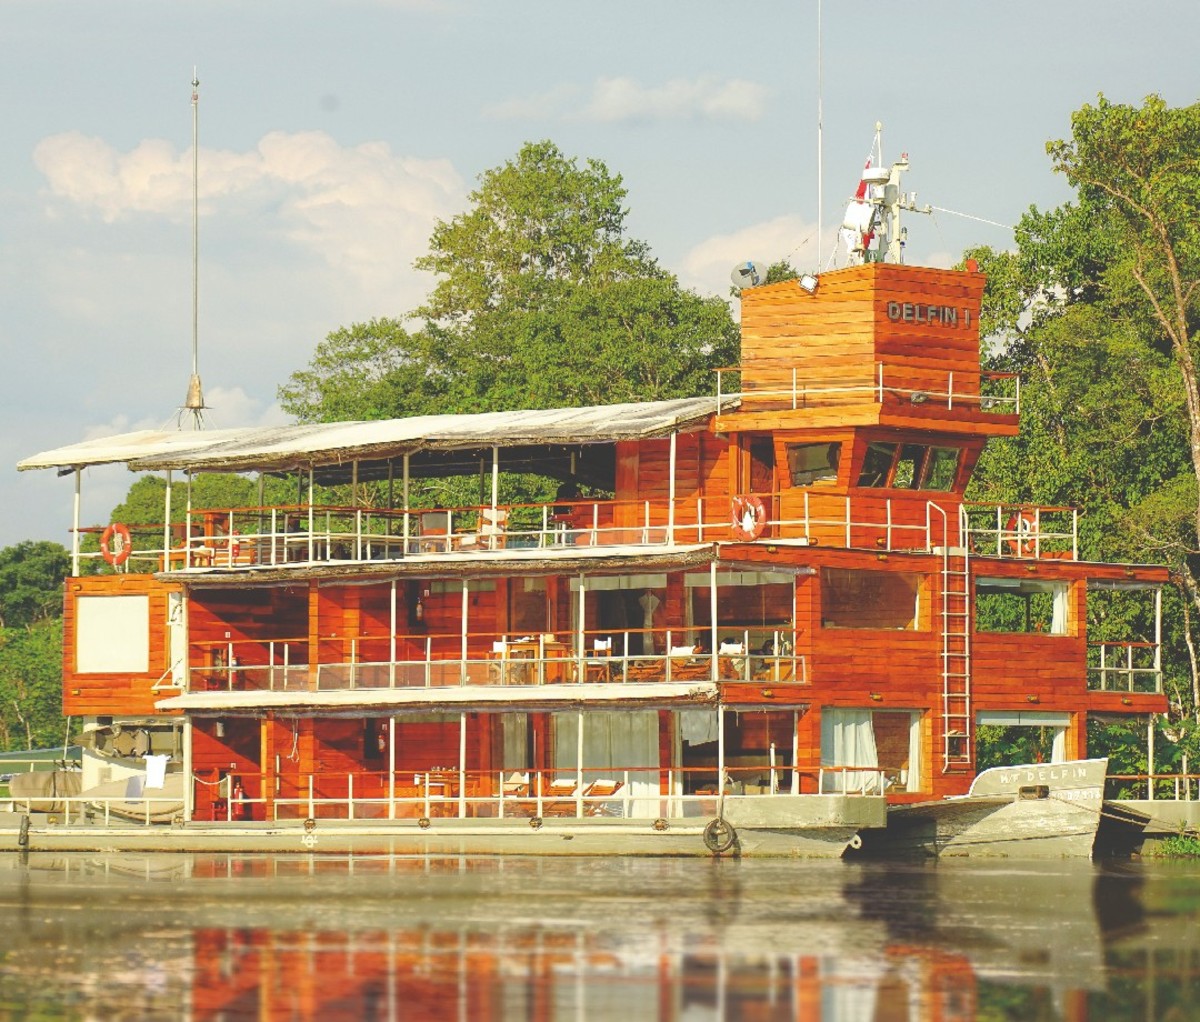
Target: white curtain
1058, 617
848, 740
1058, 751
698, 727
516, 741
614, 741
914, 753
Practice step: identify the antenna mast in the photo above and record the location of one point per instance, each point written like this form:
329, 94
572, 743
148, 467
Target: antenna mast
194, 402
820, 133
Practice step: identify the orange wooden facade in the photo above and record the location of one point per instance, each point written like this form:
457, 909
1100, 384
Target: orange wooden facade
116, 692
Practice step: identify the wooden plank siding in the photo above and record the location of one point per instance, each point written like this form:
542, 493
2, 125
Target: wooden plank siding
859, 318
103, 694
249, 620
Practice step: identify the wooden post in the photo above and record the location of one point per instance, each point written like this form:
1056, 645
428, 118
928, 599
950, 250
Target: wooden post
75, 525
404, 492
466, 600
712, 610
392, 767
167, 525
462, 764
1150, 758
673, 459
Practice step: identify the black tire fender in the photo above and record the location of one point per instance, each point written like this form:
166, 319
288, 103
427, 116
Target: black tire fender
719, 836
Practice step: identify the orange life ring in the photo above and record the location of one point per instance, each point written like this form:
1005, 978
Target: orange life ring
749, 518
116, 544
1022, 531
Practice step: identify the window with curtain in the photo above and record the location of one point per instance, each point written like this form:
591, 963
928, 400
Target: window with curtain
885, 746
614, 741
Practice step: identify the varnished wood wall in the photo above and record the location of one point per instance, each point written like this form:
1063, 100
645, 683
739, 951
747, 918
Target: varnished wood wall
103, 694
837, 337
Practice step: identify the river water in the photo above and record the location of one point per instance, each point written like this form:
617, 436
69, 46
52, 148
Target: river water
221, 937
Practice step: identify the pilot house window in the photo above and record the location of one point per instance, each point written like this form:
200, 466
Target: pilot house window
813, 463
909, 466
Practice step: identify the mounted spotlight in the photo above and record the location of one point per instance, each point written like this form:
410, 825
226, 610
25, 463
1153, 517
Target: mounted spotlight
808, 283
918, 397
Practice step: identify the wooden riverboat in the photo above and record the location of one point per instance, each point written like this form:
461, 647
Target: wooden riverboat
749, 622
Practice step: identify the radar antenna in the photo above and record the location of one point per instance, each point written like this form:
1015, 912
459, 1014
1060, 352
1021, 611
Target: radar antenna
874, 213
193, 404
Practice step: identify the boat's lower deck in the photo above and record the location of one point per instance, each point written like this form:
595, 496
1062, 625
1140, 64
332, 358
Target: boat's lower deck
807, 826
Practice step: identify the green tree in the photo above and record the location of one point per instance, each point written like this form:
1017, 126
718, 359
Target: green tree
31, 686
541, 300
31, 582
1137, 169
1097, 312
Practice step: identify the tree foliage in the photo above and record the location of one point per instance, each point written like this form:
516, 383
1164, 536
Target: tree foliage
31, 582
541, 300
31, 598
1097, 311
31, 686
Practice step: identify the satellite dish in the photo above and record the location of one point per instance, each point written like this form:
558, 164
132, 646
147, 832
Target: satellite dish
745, 275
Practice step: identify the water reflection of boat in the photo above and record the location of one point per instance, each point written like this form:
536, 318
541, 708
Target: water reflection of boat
1054, 810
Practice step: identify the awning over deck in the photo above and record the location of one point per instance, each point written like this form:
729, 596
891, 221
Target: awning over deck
466, 698
427, 439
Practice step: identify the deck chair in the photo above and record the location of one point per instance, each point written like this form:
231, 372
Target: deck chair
559, 798
597, 790
516, 784
598, 665
492, 522
645, 670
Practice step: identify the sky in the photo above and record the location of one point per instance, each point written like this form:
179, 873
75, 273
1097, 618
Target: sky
333, 135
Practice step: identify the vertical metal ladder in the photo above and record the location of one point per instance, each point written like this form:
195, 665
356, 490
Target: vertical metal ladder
954, 624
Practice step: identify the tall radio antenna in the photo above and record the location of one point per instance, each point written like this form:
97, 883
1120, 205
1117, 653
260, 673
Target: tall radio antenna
193, 404
820, 131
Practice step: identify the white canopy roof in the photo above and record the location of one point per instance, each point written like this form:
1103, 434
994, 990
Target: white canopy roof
280, 448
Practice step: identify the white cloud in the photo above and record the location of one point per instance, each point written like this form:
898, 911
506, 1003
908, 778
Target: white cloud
707, 265
363, 209
624, 99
